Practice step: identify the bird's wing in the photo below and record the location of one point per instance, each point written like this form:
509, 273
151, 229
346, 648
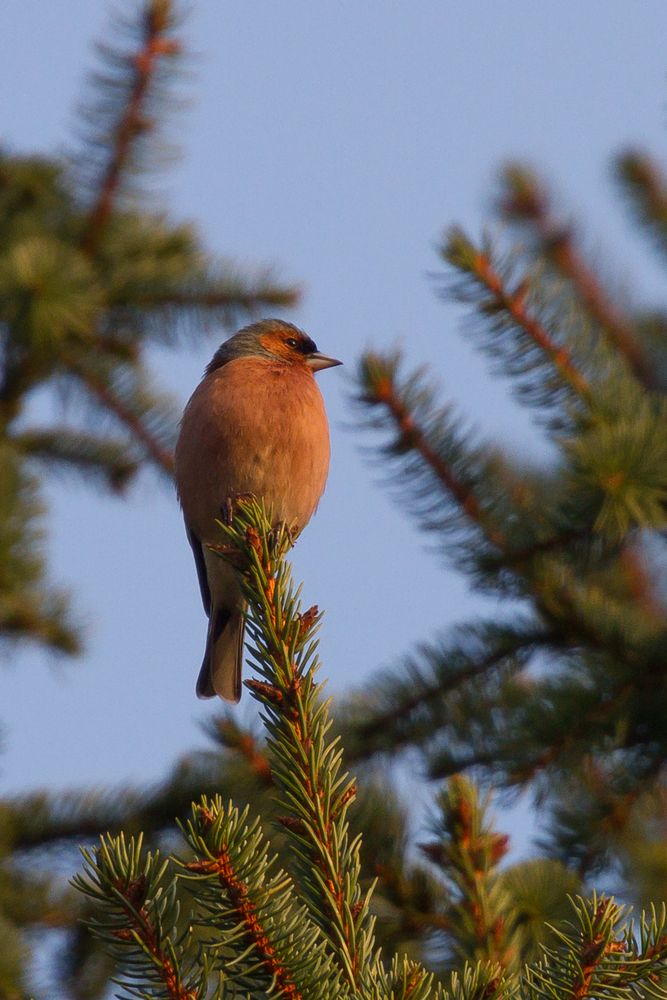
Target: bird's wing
202, 575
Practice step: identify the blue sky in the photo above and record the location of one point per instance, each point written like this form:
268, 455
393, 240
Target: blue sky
333, 141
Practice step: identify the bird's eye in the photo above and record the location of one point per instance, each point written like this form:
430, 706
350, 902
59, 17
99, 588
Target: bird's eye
291, 342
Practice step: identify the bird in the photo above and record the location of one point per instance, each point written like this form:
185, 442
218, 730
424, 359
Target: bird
255, 424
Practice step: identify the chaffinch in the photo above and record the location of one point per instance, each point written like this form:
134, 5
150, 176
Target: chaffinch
255, 424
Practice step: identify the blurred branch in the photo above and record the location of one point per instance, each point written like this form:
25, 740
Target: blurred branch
380, 388
526, 201
477, 265
156, 44
87, 454
645, 185
103, 391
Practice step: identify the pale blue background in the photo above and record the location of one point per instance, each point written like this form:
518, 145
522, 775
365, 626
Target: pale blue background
335, 141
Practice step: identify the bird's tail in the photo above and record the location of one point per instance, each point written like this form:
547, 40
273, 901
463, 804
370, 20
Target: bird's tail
223, 660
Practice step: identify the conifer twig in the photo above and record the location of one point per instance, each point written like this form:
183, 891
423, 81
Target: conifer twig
408, 705
646, 185
386, 721
245, 897
601, 957
527, 201
102, 390
141, 928
468, 851
381, 389
231, 735
477, 264
137, 914
156, 44
249, 299
590, 719
305, 764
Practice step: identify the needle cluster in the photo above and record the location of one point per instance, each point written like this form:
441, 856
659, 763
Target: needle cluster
223, 920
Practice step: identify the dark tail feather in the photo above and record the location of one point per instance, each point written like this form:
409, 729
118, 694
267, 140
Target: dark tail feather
223, 660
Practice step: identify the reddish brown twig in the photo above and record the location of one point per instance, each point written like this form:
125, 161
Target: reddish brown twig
648, 186
572, 265
155, 45
384, 392
139, 926
163, 458
594, 950
257, 760
529, 203
514, 304
320, 835
256, 934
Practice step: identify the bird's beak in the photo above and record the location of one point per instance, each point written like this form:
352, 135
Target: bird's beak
318, 361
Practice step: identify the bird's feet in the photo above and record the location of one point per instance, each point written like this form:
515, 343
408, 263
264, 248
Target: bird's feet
227, 509
291, 530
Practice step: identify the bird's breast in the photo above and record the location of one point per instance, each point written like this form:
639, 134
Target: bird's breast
253, 426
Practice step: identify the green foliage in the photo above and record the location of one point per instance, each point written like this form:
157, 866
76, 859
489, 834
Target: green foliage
601, 956
27, 605
138, 918
566, 692
263, 940
92, 275
252, 919
224, 921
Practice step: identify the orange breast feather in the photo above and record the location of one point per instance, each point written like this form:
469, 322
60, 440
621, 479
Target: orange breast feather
253, 426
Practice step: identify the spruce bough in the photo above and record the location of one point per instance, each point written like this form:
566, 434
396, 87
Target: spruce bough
222, 921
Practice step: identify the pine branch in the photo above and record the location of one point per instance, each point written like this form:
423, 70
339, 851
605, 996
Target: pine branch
48, 299
90, 455
133, 78
467, 851
410, 704
260, 936
263, 940
601, 957
29, 607
539, 891
483, 981
45, 819
410, 981
40, 617
507, 311
227, 731
561, 743
441, 458
600, 810
162, 285
525, 201
137, 919
645, 186
128, 401
593, 612
305, 765
226, 296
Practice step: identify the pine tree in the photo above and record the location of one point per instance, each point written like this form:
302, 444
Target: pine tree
565, 694
219, 919
92, 274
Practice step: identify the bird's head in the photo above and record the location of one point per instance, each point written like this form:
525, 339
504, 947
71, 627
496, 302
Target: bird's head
276, 340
